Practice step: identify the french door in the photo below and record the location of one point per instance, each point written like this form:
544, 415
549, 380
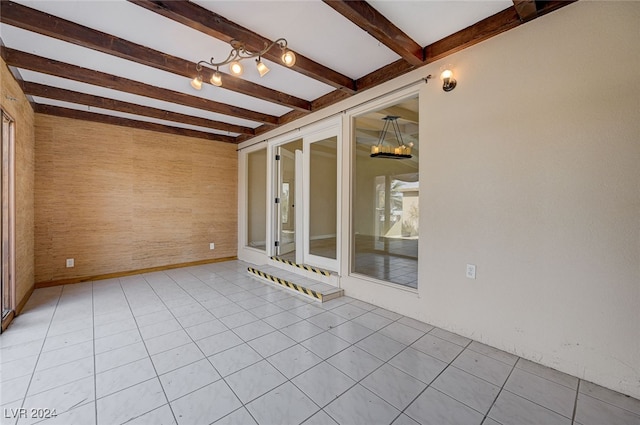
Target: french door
287, 188
306, 203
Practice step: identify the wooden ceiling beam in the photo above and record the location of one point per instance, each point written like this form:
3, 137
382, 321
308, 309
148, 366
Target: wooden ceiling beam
48, 92
485, 29
526, 9
43, 23
35, 63
382, 29
386, 73
548, 6
474, 34
126, 122
210, 23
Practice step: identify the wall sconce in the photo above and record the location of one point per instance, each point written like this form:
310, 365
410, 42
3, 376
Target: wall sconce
448, 82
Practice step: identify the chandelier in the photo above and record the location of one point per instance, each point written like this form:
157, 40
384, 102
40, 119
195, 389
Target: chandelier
380, 150
238, 53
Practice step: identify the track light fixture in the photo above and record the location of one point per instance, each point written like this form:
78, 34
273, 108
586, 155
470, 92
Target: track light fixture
238, 53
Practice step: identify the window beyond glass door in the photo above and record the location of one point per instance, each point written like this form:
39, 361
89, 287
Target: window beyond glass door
386, 193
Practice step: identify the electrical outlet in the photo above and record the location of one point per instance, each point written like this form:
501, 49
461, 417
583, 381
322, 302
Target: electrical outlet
212, 245
70, 262
471, 271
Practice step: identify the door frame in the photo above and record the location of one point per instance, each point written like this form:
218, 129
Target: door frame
318, 136
282, 154
331, 128
7, 192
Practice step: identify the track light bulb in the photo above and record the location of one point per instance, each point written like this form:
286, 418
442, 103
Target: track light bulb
262, 68
196, 83
288, 58
216, 79
236, 68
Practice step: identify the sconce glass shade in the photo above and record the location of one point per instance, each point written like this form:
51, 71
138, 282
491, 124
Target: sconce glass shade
262, 68
236, 68
196, 83
448, 82
216, 79
288, 58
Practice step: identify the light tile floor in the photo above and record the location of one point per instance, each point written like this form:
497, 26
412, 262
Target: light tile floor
210, 344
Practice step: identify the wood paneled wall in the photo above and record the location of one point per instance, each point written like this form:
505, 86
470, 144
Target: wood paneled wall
117, 199
15, 103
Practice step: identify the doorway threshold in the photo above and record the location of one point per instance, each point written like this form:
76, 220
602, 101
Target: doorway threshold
310, 288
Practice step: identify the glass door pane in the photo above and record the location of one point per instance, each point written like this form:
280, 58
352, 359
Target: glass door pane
5, 226
286, 214
257, 199
321, 248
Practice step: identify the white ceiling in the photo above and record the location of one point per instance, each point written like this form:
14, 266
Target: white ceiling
312, 29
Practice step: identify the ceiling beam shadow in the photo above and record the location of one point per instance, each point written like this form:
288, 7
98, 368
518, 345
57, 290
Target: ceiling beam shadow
126, 122
210, 23
382, 29
48, 92
35, 63
39, 22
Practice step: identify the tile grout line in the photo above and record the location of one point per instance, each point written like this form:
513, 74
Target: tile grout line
266, 359
433, 380
536, 403
124, 293
244, 405
290, 380
44, 341
192, 294
615, 406
296, 343
486, 415
544, 377
575, 403
205, 356
95, 370
358, 382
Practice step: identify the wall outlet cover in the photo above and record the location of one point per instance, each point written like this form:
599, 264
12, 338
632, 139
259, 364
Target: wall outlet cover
70, 262
212, 245
471, 271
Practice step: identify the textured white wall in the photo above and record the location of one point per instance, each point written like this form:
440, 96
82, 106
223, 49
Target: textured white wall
536, 162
